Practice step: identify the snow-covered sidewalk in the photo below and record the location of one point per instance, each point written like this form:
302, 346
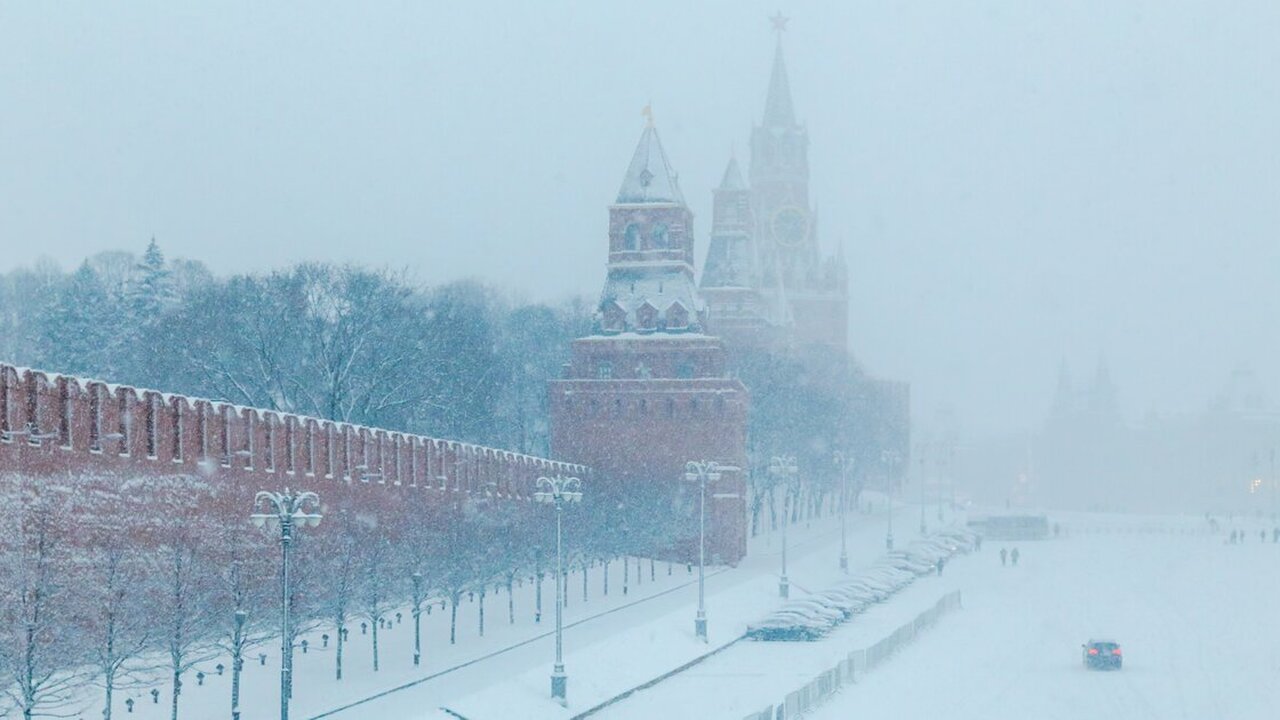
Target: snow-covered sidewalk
615, 654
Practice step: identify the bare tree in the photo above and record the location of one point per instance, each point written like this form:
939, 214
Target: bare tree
116, 595
182, 606
375, 585
38, 653
240, 598
337, 550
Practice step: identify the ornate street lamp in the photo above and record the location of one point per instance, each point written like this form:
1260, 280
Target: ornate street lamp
559, 491
783, 467
889, 458
702, 473
288, 510
843, 463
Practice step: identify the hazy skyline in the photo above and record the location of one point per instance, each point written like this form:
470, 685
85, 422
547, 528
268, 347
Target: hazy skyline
1013, 185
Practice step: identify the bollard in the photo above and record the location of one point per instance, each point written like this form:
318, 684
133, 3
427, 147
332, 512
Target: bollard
364, 628
219, 667
305, 644
324, 640
155, 696
262, 659
128, 705
200, 678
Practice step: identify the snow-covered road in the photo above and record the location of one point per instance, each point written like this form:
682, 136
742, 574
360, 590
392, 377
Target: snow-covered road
1197, 620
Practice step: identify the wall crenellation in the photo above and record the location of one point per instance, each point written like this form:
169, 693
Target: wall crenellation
52, 423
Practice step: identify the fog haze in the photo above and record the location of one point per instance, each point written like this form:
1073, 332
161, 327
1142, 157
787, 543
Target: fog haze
1014, 186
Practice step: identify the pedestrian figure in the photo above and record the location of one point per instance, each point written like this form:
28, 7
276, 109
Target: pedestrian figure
1014, 556
1056, 529
1233, 537
941, 562
1275, 535
977, 541
1004, 556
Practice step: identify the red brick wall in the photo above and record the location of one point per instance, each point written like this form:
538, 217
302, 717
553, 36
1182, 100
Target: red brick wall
95, 428
641, 432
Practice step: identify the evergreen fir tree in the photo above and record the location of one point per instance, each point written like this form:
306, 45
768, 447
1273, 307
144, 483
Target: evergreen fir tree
152, 287
77, 328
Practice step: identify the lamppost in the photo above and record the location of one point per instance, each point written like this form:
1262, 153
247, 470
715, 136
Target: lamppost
287, 509
843, 462
924, 451
416, 577
783, 467
889, 458
237, 663
701, 473
558, 491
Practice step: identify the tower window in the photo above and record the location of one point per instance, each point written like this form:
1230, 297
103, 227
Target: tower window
631, 237
658, 237
604, 370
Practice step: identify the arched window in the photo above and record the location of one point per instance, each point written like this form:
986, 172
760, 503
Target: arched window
658, 236
631, 237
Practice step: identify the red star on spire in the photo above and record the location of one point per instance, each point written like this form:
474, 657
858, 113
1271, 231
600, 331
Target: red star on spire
779, 22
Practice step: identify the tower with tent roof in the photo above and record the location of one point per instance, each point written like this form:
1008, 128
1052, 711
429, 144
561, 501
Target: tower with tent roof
767, 280
649, 389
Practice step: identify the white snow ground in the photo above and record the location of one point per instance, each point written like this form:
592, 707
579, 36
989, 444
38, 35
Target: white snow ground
1196, 617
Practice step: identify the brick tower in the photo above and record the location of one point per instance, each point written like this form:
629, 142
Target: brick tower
649, 390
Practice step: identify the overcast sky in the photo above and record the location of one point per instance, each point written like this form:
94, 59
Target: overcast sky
1015, 183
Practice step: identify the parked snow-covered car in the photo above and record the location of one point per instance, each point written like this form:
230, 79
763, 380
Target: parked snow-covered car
816, 607
772, 628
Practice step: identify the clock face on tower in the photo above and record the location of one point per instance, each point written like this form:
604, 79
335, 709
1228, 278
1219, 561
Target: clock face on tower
790, 226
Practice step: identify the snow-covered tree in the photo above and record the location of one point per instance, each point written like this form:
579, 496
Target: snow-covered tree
40, 656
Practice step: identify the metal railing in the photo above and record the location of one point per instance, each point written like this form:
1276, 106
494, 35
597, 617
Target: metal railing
816, 691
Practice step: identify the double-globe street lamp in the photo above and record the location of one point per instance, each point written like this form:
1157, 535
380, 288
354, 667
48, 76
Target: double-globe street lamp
702, 473
559, 491
289, 510
843, 464
783, 468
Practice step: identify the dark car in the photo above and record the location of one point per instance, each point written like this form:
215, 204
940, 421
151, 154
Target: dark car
1102, 655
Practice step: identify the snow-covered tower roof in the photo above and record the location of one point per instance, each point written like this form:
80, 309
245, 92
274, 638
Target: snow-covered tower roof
649, 177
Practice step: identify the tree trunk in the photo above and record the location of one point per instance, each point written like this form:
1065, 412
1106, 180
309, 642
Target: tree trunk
453, 620
481, 613
537, 598
606, 577
341, 632
108, 679
584, 583
375, 623
626, 574
653, 570
177, 690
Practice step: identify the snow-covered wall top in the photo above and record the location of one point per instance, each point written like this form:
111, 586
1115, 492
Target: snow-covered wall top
56, 424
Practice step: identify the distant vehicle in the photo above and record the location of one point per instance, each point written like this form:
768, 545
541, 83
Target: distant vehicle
1102, 655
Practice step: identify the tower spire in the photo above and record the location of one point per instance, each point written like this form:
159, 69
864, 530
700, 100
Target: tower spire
778, 111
